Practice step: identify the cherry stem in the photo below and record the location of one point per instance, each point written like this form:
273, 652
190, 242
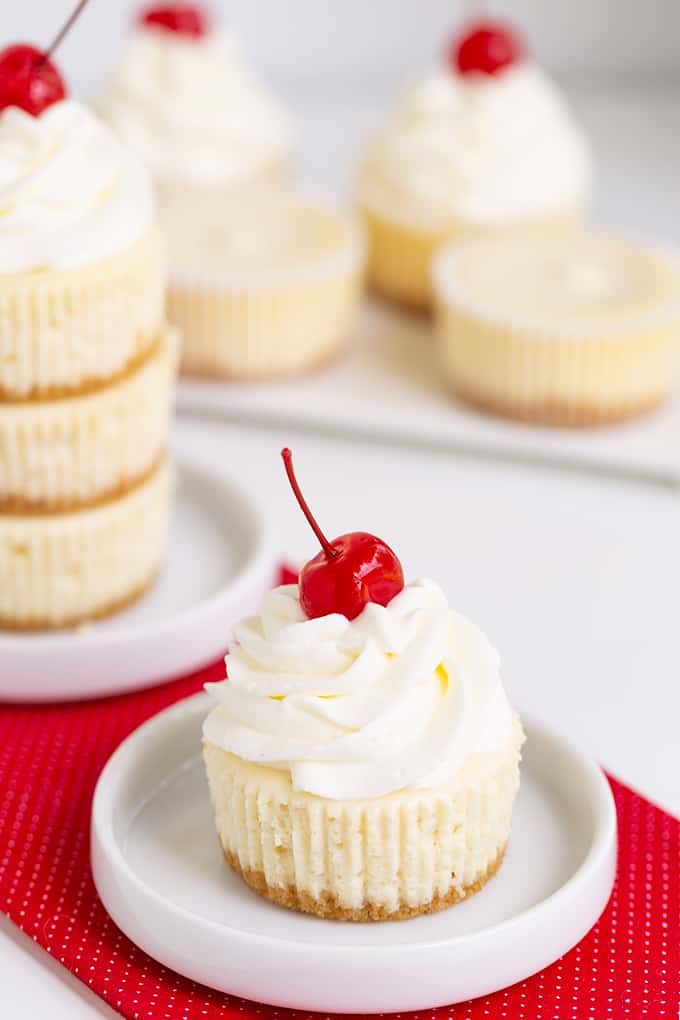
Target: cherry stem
63, 32
330, 552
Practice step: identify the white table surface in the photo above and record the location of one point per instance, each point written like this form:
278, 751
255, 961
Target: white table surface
587, 642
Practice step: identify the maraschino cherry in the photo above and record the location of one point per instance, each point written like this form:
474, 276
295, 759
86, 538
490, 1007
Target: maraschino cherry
349, 572
182, 19
487, 47
29, 80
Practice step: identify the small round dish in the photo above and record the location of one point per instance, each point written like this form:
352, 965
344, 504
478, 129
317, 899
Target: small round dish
219, 562
160, 873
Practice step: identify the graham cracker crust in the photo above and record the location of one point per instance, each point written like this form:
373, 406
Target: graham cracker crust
560, 414
329, 908
87, 387
23, 508
111, 609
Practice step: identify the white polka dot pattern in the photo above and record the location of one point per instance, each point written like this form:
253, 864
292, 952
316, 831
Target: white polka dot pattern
50, 757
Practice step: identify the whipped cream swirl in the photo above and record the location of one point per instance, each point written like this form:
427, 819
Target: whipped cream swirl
478, 148
70, 193
192, 110
398, 698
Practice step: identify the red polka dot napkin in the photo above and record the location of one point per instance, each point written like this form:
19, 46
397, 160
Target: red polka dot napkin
50, 758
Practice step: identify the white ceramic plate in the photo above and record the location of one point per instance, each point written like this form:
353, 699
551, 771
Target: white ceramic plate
161, 875
219, 563
389, 387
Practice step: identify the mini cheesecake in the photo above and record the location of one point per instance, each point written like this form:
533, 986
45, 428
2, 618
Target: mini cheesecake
362, 757
585, 332
262, 288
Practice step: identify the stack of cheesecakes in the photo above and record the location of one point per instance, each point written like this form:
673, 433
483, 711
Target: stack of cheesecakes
87, 370
262, 283
482, 145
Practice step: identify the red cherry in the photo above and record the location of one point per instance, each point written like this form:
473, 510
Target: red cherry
486, 48
349, 572
183, 19
28, 80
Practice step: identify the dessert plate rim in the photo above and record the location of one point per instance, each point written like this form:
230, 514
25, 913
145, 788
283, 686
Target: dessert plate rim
122, 890
72, 664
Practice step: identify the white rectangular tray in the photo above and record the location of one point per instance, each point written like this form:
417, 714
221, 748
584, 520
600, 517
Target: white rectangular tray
388, 387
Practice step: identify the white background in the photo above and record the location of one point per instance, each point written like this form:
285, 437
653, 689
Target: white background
351, 40
588, 644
